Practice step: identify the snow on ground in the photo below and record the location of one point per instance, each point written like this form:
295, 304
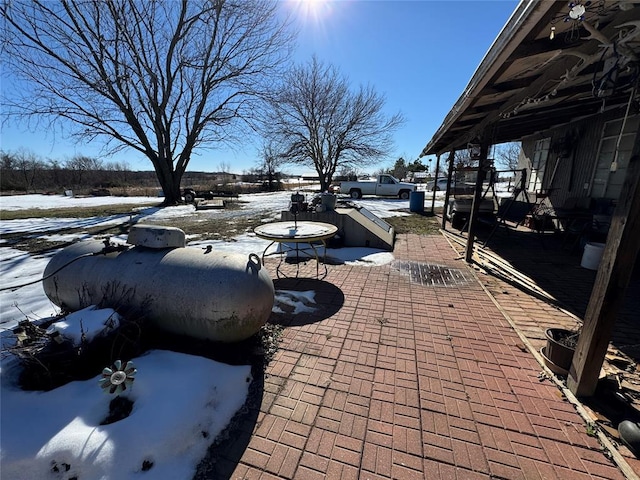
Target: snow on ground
26, 202
300, 301
19, 268
37, 225
86, 324
181, 403
176, 397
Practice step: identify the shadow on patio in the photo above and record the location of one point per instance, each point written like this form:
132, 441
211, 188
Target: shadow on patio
539, 284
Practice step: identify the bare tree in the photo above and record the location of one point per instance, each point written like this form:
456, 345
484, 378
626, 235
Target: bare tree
121, 169
462, 159
29, 166
9, 177
81, 166
55, 168
162, 78
270, 162
507, 154
224, 168
7, 161
348, 173
318, 121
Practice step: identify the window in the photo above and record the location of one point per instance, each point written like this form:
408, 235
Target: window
611, 169
538, 164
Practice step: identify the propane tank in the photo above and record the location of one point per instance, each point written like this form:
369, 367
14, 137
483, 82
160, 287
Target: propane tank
190, 291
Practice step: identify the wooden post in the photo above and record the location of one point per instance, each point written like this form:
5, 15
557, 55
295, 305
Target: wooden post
452, 155
435, 182
618, 260
477, 198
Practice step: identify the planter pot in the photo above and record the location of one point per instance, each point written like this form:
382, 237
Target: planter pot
561, 345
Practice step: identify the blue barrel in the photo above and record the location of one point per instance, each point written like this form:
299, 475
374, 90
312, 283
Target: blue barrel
416, 202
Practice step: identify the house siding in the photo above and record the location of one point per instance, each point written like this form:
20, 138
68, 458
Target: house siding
575, 170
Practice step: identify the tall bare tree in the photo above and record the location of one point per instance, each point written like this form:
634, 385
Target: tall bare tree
269, 164
318, 121
82, 167
160, 77
507, 154
30, 166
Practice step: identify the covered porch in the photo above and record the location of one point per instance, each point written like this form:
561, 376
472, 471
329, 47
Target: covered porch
538, 285
563, 80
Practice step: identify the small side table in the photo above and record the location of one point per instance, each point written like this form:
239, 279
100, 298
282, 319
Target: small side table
291, 237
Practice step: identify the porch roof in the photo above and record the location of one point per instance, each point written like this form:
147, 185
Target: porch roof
528, 82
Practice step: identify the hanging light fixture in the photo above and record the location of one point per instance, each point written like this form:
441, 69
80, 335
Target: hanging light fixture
577, 11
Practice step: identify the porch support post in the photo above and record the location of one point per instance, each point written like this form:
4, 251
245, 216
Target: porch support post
618, 259
435, 182
452, 155
477, 198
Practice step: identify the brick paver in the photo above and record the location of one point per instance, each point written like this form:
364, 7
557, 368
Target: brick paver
396, 377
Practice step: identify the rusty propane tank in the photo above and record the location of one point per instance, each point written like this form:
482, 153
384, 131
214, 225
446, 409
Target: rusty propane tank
190, 291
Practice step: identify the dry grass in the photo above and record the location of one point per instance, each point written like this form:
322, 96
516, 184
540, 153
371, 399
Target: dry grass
75, 212
420, 224
201, 226
216, 228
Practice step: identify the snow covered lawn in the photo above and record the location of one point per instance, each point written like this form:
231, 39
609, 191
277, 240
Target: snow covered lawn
181, 402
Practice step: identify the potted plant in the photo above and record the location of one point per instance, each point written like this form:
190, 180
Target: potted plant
561, 345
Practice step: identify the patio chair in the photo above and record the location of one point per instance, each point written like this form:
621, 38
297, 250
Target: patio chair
510, 211
584, 219
577, 228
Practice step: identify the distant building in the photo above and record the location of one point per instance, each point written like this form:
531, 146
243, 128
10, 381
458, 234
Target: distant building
310, 177
420, 177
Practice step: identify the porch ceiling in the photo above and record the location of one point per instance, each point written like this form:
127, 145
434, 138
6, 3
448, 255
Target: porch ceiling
528, 82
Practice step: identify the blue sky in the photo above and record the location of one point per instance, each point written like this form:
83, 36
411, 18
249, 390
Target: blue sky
419, 54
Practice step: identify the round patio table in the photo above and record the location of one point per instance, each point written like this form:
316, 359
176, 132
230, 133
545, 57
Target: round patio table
299, 237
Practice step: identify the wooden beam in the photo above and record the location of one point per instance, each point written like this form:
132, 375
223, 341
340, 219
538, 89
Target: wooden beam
618, 260
435, 182
579, 91
477, 198
452, 155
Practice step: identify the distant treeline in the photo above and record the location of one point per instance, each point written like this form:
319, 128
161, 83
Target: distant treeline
26, 173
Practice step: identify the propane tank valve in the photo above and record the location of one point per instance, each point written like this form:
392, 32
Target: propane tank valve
111, 247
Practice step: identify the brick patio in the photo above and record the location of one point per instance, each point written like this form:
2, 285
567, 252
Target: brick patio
407, 371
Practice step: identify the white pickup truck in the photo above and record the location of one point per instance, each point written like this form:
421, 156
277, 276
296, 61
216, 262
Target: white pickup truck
384, 185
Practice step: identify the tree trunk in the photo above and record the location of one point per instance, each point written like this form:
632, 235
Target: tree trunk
169, 180
172, 194
170, 184
324, 181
